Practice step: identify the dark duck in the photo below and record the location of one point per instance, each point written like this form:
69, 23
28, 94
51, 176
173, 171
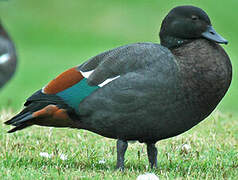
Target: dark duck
142, 91
8, 58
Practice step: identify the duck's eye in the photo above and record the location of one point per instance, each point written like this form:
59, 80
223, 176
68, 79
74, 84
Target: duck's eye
194, 17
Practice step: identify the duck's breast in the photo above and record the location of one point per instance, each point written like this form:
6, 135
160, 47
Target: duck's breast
205, 76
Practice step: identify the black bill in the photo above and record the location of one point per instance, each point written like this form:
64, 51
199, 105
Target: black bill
211, 34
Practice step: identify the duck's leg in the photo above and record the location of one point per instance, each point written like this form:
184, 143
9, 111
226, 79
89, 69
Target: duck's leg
152, 154
121, 149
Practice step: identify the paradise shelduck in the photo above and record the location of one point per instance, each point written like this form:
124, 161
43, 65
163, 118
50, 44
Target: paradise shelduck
142, 91
8, 58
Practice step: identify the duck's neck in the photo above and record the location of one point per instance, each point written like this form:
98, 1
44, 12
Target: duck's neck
173, 42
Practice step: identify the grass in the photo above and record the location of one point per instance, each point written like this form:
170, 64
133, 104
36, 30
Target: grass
52, 36
213, 153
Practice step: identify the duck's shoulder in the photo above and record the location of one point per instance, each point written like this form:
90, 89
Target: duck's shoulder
146, 46
136, 53
141, 46
126, 59
144, 49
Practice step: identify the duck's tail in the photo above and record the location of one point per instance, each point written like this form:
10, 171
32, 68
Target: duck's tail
44, 110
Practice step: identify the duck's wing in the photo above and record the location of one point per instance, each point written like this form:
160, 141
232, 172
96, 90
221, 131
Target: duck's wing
123, 60
143, 86
58, 103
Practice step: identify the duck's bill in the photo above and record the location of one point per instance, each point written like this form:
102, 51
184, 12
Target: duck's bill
212, 35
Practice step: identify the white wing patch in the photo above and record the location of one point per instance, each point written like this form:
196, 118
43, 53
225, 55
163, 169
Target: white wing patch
107, 81
43, 90
4, 58
88, 73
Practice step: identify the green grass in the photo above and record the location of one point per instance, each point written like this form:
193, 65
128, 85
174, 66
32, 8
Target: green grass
52, 36
213, 153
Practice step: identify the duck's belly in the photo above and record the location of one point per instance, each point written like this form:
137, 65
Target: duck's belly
146, 122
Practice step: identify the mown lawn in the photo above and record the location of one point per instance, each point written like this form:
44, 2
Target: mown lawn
52, 36
213, 153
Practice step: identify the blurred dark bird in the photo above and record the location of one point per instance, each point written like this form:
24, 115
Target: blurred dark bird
142, 91
8, 58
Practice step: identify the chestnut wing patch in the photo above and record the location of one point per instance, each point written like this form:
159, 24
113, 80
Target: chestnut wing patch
72, 86
64, 81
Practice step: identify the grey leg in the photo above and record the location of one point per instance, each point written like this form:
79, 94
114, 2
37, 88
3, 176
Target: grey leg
152, 154
121, 149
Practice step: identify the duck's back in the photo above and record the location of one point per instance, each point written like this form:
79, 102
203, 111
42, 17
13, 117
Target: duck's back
155, 96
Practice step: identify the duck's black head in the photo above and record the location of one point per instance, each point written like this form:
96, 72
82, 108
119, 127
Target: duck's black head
183, 24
